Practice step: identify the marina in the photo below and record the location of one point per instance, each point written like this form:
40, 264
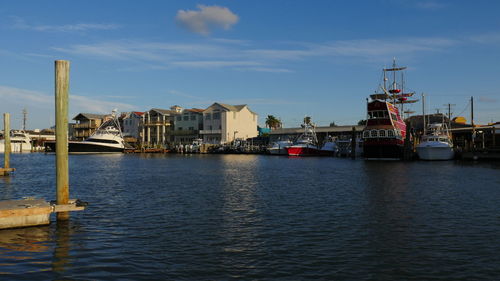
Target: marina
261, 216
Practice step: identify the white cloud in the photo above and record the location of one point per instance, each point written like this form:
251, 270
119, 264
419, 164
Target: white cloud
206, 18
21, 24
41, 105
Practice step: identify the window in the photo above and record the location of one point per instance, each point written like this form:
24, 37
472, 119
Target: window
234, 115
180, 129
366, 134
374, 133
390, 133
381, 133
210, 127
193, 117
186, 117
191, 128
208, 116
216, 115
179, 118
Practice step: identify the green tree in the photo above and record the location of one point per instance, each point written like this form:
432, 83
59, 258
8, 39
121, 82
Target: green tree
362, 122
272, 122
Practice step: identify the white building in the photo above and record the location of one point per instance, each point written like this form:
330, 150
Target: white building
132, 124
222, 123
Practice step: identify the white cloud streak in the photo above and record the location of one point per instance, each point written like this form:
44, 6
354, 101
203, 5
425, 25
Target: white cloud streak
221, 54
206, 19
79, 27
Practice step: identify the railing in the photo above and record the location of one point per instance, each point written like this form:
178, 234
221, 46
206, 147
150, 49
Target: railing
207, 132
84, 126
157, 123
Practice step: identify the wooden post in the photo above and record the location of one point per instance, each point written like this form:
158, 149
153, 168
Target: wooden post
6, 135
353, 143
62, 170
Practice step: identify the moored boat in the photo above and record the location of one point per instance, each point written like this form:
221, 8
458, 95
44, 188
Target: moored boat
436, 143
307, 143
106, 139
19, 142
279, 147
385, 131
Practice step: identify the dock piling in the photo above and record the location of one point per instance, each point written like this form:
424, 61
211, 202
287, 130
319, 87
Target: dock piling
61, 109
353, 143
7, 149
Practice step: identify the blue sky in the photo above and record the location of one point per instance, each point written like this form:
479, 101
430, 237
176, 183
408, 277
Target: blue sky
285, 58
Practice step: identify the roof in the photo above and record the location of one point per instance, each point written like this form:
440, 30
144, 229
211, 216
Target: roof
236, 108
197, 110
138, 113
164, 111
88, 116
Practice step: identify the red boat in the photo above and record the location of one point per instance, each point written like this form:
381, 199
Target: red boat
307, 143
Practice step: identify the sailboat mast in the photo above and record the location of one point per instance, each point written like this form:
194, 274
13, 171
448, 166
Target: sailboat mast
423, 110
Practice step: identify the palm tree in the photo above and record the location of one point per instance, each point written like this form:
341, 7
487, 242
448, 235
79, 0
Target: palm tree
273, 122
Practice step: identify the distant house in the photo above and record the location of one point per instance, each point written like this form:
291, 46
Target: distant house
187, 126
222, 123
86, 125
132, 124
158, 125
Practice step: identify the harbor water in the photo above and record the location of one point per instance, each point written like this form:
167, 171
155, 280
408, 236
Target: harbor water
257, 217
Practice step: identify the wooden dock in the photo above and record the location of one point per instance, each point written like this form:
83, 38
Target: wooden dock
6, 171
31, 212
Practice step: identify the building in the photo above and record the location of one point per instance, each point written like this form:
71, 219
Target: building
187, 126
322, 133
86, 125
131, 124
157, 126
223, 123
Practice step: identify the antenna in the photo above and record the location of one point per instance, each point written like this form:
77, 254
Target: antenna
449, 105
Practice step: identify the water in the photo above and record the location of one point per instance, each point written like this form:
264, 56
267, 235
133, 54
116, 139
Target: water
223, 217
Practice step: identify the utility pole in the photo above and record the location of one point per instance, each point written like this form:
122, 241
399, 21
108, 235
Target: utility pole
25, 117
449, 105
472, 121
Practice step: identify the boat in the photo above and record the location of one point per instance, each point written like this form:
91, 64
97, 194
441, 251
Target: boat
436, 143
19, 142
107, 138
279, 147
307, 143
345, 147
329, 147
385, 131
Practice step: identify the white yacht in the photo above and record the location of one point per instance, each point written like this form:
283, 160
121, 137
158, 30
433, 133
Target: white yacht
279, 147
436, 144
19, 142
106, 139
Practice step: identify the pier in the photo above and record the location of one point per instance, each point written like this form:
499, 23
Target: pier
33, 211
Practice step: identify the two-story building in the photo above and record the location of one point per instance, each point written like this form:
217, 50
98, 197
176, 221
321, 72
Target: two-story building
86, 125
157, 126
223, 123
131, 124
188, 125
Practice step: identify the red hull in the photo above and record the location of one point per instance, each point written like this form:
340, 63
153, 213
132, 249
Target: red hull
302, 151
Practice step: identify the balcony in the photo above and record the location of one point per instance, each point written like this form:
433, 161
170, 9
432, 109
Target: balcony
184, 132
208, 132
157, 123
84, 126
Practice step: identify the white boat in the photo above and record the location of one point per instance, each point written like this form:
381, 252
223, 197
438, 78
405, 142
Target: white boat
19, 142
436, 144
344, 147
307, 143
329, 147
279, 147
107, 138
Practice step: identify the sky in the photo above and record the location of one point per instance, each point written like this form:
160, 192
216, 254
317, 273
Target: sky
287, 58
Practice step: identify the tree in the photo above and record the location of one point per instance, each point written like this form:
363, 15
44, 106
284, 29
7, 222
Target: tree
273, 122
362, 122
332, 124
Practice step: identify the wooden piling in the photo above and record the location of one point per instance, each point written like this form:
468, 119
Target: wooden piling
7, 149
6, 135
61, 102
353, 143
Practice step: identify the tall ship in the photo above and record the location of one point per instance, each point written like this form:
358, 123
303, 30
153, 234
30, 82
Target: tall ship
107, 138
385, 131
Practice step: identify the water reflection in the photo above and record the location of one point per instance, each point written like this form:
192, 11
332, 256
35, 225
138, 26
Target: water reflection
389, 214
241, 219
